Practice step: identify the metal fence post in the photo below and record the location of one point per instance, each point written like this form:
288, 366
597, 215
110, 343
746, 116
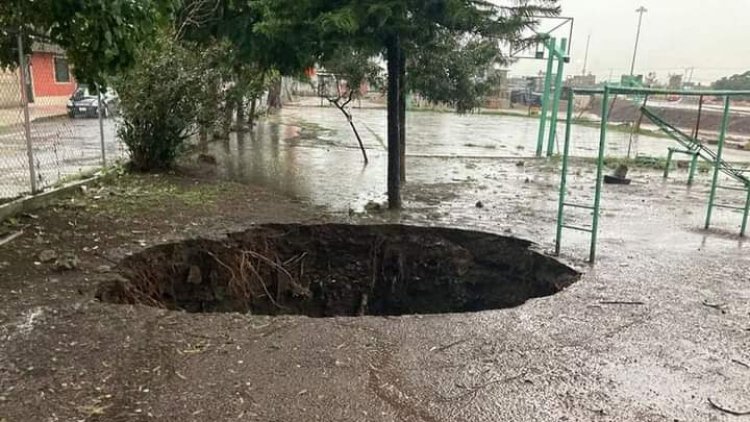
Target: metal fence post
100, 108
26, 118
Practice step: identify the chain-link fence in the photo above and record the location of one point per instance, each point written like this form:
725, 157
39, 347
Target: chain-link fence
51, 127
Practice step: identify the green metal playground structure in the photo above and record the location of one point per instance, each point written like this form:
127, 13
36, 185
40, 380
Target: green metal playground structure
689, 144
552, 99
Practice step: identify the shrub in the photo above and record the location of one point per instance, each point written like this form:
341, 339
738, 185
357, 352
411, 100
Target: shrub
163, 99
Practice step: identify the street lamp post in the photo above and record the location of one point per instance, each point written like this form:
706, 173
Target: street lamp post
641, 10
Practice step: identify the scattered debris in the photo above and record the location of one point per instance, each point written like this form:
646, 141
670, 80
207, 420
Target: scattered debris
10, 237
447, 346
103, 269
372, 206
621, 302
68, 262
727, 410
741, 363
47, 255
718, 306
620, 176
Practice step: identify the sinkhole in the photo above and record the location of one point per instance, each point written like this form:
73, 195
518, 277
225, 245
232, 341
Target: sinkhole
339, 270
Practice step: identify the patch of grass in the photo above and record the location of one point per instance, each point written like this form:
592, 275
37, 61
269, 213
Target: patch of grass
133, 194
641, 161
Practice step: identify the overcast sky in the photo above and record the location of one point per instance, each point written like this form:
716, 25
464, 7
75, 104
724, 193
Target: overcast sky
712, 36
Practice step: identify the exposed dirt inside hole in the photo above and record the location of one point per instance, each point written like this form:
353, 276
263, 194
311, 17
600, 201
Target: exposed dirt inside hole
339, 270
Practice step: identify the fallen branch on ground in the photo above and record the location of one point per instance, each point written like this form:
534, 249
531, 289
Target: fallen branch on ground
717, 306
728, 411
10, 237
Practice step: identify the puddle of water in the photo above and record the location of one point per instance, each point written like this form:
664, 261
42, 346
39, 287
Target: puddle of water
292, 155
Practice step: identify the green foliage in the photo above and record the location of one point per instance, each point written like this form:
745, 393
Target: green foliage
350, 69
739, 82
455, 71
164, 97
100, 37
452, 46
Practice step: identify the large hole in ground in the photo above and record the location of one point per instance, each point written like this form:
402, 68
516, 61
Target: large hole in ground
332, 270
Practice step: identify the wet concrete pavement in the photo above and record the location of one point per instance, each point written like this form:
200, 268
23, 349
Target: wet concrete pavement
658, 327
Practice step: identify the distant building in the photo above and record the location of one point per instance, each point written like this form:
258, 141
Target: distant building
675, 82
51, 75
581, 81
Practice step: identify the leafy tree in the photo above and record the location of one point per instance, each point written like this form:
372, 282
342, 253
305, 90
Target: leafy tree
736, 82
399, 30
100, 37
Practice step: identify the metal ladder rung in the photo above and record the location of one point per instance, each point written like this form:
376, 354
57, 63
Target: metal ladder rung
729, 207
732, 188
586, 207
580, 229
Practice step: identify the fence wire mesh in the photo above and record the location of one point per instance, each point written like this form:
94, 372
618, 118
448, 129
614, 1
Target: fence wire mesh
62, 137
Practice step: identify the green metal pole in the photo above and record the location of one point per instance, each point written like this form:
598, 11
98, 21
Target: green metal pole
545, 97
556, 96
747, 212
693, 167
717, 162
599, 173
564, 175
669, 162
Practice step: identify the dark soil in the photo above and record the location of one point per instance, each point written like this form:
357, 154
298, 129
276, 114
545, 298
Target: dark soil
339, 270
625, 111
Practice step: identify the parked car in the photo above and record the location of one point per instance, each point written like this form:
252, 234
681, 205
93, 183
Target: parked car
85, 103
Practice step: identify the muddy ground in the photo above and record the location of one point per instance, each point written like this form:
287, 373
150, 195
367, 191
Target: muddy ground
657, 331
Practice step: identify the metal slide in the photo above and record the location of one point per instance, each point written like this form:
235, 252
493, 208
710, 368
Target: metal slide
694, 145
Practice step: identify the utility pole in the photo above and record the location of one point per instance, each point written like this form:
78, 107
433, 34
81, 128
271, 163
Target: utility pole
586, 56
641, 10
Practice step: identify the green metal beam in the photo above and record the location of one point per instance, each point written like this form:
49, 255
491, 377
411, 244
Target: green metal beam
745, 215
564, 175
717, 162
545, 98
556, 98
656, 91
599, 174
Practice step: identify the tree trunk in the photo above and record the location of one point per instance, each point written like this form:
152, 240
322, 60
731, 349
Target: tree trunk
203, 139
402, 114
394, 123
251, 115
241, 115
226, 124
274, 95
354, 128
